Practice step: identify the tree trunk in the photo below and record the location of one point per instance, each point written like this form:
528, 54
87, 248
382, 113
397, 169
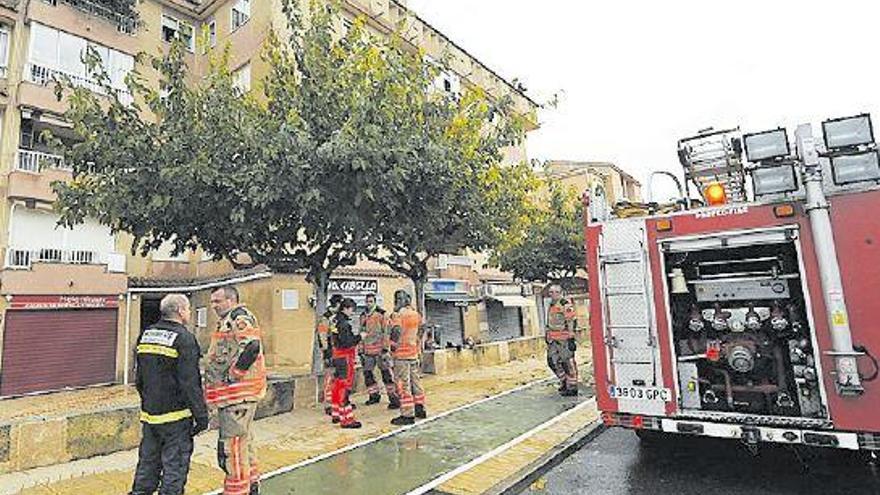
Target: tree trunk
321, 283
419, 284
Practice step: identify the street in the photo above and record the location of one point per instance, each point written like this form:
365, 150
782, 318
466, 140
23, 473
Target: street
418, 455
615, 463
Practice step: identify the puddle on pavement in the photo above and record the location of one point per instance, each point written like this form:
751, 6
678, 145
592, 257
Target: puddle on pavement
407, 461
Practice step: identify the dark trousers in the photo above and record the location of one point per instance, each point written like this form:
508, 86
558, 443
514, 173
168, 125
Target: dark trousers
163, 458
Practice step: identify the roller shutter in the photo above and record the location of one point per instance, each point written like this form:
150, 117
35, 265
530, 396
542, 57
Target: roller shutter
55, 349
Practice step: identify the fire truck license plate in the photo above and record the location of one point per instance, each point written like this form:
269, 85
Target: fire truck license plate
640, 393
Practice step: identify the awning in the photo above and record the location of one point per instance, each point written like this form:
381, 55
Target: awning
514, 301
452, 297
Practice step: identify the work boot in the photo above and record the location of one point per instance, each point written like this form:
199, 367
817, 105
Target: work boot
394, 403
352, 426
403, 421
420, 411
374, 399
328, 411
572, 392
255, 489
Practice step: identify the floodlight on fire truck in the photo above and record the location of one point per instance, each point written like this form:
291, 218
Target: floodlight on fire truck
848, 132
777, 179
767, 145
856, 167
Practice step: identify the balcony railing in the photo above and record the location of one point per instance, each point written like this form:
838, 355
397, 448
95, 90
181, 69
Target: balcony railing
42, 75
37, 161
25, 258
126, 24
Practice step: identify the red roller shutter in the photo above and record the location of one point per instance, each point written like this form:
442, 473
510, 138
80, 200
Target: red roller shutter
54, 349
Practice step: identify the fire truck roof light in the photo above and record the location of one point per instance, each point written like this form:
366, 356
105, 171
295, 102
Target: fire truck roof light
715, 194
857, 167
848, 132
767, 145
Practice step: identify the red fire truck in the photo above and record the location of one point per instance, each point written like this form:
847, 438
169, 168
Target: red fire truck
752, 313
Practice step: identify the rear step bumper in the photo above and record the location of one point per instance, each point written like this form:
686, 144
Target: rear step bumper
748, 433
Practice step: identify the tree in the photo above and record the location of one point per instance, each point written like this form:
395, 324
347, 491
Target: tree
548, 241
289, 178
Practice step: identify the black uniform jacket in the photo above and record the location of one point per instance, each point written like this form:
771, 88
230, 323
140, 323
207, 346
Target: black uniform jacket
168, 377
344, 337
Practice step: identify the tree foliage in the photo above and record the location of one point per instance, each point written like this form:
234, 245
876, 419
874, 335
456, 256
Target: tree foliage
547, 243
344, 152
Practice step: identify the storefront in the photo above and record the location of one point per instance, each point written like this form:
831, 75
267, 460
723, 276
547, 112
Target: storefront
57, 342
505, 306
446, 301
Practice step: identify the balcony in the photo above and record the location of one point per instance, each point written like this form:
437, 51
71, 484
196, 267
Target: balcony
24, 259
37, 161
32, 175
43, 76
63, 271
125, 23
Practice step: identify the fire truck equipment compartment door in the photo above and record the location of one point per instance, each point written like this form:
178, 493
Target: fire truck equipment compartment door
630, 328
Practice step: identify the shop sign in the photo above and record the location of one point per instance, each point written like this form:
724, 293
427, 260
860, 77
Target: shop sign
352, 286
446, 286
63, 302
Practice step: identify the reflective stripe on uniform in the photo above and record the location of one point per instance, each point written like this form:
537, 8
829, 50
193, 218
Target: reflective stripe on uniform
157, 349
159, 419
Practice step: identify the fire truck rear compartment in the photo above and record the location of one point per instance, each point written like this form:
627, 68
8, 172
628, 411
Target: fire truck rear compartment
742, 339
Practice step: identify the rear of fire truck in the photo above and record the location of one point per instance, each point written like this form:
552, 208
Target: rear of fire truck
752, 312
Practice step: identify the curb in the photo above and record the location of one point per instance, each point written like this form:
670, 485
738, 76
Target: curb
531, 473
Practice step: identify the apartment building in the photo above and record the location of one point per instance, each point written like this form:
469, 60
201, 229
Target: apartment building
73, 300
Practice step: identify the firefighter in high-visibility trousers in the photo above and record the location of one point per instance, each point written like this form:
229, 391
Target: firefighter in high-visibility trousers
406, 336
235, 380
561, 324
345, 345
322, 334
375, 352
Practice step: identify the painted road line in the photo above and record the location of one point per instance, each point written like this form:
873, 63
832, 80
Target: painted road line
393, 433
500, 449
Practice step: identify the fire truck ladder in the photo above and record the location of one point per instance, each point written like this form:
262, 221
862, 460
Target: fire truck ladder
625, 282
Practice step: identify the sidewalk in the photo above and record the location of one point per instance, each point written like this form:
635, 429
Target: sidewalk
281, 440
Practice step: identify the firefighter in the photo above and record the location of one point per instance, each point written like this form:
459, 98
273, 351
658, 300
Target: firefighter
173, 407
375, 352
406, 338
235, 380
345, 344
561, 324
322, 332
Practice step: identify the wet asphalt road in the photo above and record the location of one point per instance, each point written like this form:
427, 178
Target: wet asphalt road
615, 463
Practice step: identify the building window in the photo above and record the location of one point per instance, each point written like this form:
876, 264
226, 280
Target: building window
173, 29
53, 53
289, 299
241, 79
4, 50
212, 33
201, 317
241, 12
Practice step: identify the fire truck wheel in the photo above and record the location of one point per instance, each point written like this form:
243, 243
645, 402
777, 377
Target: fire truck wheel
652, 438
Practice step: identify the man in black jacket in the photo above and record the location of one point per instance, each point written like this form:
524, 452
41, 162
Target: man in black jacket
173, 406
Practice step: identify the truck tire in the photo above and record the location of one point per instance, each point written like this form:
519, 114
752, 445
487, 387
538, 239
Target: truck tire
652, 438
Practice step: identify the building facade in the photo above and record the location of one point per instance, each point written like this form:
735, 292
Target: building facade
79, 292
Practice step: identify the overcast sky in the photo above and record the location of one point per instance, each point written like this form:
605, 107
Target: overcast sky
635, 76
